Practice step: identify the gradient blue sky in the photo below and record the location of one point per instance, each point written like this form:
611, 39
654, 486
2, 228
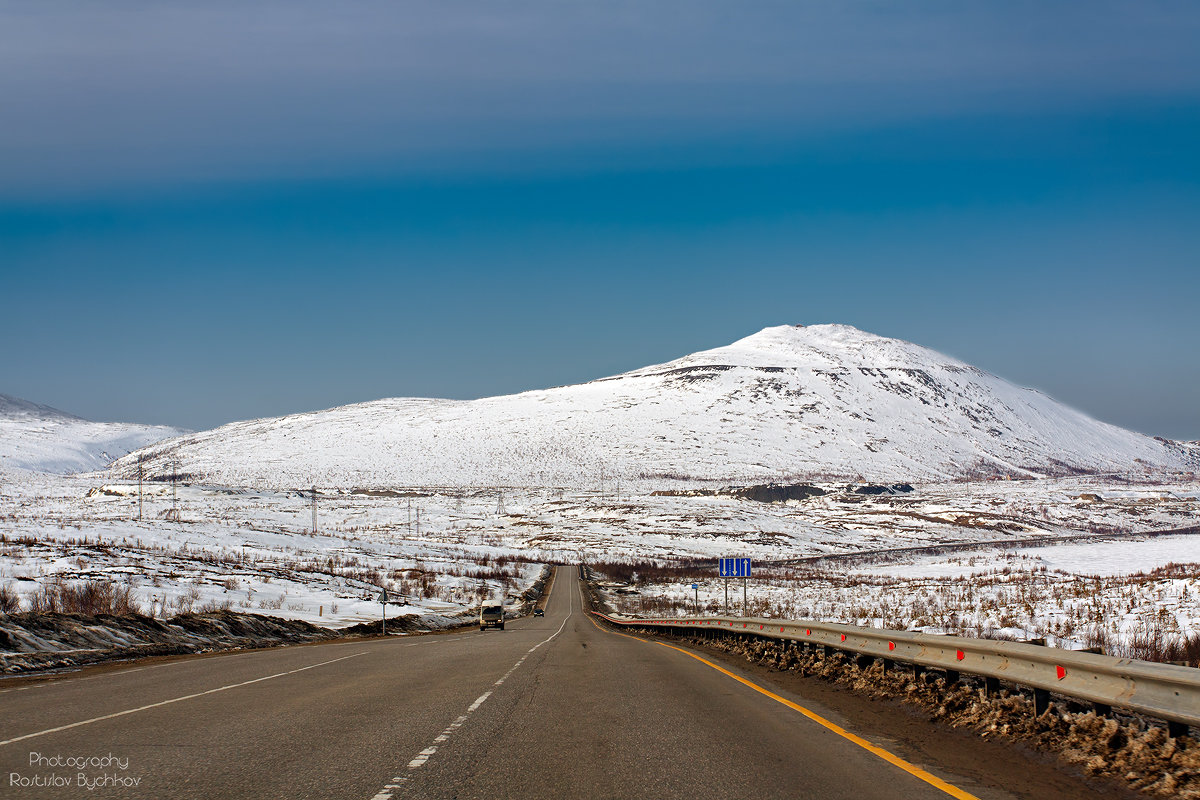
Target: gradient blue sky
216, 211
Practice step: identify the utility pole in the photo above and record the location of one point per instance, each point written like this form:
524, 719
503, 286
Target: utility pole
175, 490
314, 508
418, 534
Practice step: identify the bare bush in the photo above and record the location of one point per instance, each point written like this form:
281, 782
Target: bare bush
89, 597
186, 602
213, 606
10, 601
273, 605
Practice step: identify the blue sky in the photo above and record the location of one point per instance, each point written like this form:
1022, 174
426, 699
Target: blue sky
210, 213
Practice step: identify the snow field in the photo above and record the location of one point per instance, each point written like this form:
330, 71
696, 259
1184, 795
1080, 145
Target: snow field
440, 551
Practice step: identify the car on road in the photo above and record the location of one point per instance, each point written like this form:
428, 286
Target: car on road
537, 612
491, 615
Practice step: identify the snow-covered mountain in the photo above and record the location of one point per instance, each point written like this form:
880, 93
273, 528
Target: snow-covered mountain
44, 439
787, 402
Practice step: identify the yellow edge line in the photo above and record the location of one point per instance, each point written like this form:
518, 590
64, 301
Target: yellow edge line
911, 769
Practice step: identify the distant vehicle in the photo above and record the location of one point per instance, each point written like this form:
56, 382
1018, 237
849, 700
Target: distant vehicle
538, 612
491, 616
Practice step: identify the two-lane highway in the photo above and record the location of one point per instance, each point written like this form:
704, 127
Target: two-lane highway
555, 706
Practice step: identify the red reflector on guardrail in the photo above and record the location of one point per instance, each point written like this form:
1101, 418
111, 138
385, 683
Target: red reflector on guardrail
891, 645
843, 637
807, 632
760, 627
1062, 673
960, 655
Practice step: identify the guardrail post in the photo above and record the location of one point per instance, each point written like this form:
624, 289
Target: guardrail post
1041, 701
918, 673
991, 686
888, 664
1176, 729
1102, 709
952, 677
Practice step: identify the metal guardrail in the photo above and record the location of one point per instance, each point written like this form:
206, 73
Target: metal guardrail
1163, 691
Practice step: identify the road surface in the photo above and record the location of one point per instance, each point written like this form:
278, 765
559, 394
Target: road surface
551, 707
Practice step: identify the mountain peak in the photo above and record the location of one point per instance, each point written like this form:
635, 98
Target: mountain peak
825, 346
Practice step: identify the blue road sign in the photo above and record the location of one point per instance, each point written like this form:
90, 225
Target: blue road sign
735, 567
695, 586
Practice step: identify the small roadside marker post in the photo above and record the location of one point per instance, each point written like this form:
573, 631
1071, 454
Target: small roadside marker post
696, 590
383, 601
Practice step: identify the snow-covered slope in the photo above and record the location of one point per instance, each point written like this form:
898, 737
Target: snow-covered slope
43, 439
787, 402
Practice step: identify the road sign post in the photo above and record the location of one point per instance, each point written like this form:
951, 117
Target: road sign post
736, 568
696, 590
383, 599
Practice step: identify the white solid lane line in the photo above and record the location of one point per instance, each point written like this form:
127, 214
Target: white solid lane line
174, 700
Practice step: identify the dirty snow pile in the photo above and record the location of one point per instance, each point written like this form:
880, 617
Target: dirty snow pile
55, 641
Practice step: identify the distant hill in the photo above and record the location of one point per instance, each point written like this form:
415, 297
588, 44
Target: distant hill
788, 402
44, 439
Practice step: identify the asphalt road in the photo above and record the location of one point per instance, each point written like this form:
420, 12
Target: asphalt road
552, 707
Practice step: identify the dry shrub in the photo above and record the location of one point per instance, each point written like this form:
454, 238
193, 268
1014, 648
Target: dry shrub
89, 597
213, 606
10, 601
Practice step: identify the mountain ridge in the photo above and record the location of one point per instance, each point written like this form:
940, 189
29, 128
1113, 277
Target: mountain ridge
40, 438
785, 402
15, 407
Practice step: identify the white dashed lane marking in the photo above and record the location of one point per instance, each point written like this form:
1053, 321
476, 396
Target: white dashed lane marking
420, 758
